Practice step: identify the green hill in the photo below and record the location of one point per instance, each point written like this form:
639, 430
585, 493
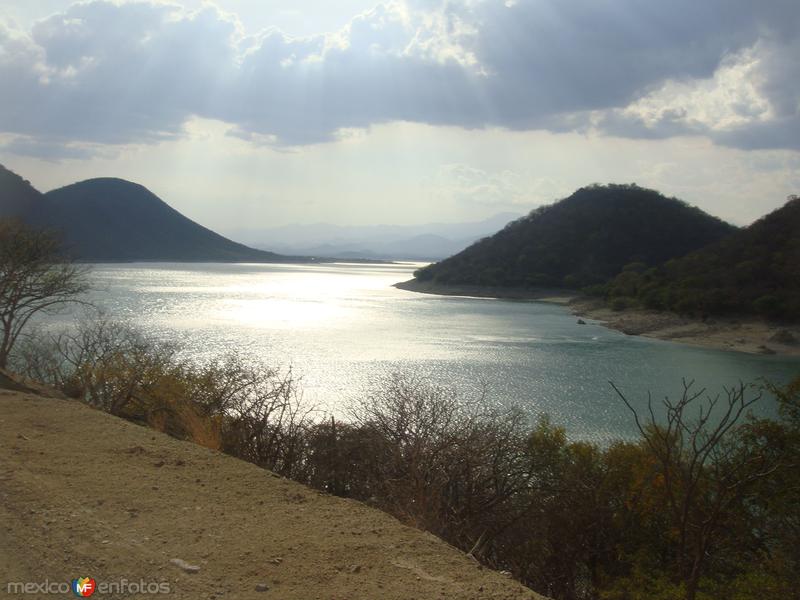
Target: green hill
18, 198
754, 271
116, 220
584, 239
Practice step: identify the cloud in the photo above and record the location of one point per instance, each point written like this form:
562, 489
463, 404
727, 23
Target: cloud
751, 102
135, 73
469, 185
53, 151
780, 133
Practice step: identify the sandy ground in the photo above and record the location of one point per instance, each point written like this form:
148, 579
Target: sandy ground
741, 335
83, 493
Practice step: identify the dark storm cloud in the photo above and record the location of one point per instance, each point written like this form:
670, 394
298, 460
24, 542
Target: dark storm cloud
135, 73
775, 134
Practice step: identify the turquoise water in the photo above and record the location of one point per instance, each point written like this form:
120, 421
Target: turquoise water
342, 327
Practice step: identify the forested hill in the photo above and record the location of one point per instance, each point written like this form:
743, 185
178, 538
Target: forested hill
754, 271
585, 239
18, 197
116, 220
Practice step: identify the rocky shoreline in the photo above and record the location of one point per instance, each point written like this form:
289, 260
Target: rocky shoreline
750, 335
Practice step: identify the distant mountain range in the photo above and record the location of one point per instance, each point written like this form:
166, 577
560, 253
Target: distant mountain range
584, 239
431, 241
111, 220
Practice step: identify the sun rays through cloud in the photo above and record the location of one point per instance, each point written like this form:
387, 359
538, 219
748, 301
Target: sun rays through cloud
109, 83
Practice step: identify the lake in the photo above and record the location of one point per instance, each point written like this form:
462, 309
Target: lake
343, 327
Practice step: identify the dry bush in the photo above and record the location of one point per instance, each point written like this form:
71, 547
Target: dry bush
250, 411
419, 426
341, 460
107, 364
441, 462
265, 418
158, 421
202, 430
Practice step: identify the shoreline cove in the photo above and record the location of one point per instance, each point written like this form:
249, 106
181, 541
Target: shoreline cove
747, 335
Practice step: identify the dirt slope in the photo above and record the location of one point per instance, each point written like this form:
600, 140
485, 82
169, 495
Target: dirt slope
85, 494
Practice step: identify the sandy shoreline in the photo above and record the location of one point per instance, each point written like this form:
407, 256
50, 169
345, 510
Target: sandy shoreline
753, 336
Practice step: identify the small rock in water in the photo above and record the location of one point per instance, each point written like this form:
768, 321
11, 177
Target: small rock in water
262, 587
182, 564
581, 322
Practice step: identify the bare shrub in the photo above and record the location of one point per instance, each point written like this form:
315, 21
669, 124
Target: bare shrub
442, 463
107, 364
200, 429
419, 425
265, 417
113, 367
253, 412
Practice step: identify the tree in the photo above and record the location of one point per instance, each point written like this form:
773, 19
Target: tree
706, 469
35, 277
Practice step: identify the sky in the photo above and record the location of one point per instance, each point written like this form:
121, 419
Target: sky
249, 114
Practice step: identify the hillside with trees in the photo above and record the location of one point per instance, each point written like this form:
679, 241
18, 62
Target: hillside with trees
18, 198
115, 220
754, 271
585, 239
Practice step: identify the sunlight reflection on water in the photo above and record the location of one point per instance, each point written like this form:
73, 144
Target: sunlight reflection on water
342, 327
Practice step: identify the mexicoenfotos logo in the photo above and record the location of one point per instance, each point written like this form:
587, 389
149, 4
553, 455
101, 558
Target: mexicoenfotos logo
83, 587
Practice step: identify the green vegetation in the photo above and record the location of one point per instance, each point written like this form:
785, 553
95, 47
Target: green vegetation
698, 506
116, 220
754, 271
17, 195
585, 239
636, 248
